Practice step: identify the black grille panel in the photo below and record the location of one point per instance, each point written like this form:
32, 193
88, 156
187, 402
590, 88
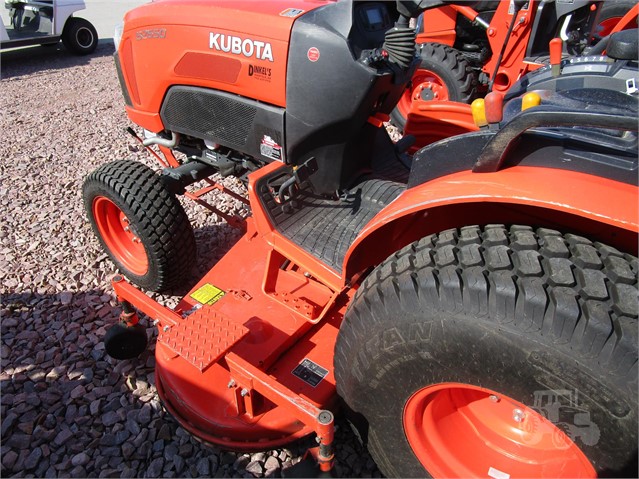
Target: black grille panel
208, 114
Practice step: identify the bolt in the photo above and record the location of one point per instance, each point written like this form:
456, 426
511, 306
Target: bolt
325, 417
136, 239
125, 219
127, 229
494, 398
231, 384
244, 392
166, 329
307, 274
518, 415
155, 322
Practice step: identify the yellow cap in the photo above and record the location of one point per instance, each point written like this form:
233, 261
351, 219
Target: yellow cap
529, 100
478, 109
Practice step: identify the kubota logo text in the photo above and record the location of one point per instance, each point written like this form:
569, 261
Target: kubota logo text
236, 45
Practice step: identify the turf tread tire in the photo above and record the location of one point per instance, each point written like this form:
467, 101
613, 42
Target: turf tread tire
569, 295
157, 215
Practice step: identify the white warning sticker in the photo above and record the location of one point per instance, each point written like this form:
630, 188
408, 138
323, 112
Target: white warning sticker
497, 474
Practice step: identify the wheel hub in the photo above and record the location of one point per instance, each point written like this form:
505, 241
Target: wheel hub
120, 236
458, 430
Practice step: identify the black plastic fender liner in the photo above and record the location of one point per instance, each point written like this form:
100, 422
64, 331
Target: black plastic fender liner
494, 154
447, 156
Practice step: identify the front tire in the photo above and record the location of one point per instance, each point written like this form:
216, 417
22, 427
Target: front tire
79, 36
609, 15
443, 75
140, 224
449, 344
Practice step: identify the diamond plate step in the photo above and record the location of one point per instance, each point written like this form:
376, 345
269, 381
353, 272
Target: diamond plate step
203, 337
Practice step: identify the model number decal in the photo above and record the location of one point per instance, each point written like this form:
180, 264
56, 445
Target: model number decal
146, 34
236, 45
310, 372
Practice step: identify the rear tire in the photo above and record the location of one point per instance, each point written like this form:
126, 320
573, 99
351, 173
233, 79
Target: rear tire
140, 224
79, 36
512, 313
444, 74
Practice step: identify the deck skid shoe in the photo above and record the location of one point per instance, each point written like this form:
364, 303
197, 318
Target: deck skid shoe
127, 338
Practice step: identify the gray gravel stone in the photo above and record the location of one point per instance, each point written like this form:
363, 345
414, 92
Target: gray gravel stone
271, 464
33, 459
178, 464
19, 440
80, 459
155, 468
8, 422
63, 436
9, 459
110, 418
255, 467
203, 467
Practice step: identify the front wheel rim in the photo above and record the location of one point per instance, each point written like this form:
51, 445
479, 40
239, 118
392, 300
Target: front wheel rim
423, 81
458, 430
119, 236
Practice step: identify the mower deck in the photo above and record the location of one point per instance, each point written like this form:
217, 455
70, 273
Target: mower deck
221, 368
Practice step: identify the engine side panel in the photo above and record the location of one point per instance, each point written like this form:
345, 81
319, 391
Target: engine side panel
239, 47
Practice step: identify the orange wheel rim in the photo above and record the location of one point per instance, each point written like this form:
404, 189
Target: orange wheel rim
426, 86
119, 236
458, 430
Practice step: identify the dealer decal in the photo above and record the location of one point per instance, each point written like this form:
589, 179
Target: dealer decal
238, 46
207, 294
259, 72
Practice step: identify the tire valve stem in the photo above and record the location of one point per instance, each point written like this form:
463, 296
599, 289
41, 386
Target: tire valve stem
518, 415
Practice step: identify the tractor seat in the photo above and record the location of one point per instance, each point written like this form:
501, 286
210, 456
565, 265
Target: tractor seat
624, 45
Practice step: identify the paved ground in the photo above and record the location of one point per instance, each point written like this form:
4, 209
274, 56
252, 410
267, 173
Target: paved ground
106, 14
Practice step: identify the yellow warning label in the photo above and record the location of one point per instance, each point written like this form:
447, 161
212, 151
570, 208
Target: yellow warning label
208, 294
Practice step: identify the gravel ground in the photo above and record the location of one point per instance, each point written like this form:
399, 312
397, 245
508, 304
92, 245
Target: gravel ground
68, 410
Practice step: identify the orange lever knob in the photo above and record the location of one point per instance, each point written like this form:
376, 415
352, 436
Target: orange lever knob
556, 48
494, 103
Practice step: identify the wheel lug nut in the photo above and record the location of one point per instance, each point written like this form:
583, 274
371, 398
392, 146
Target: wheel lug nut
518, 415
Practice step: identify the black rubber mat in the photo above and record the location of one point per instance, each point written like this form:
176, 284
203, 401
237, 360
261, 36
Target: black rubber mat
327, 227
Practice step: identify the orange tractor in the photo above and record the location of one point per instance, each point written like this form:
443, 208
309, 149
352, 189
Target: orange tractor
431, 295
469, 48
